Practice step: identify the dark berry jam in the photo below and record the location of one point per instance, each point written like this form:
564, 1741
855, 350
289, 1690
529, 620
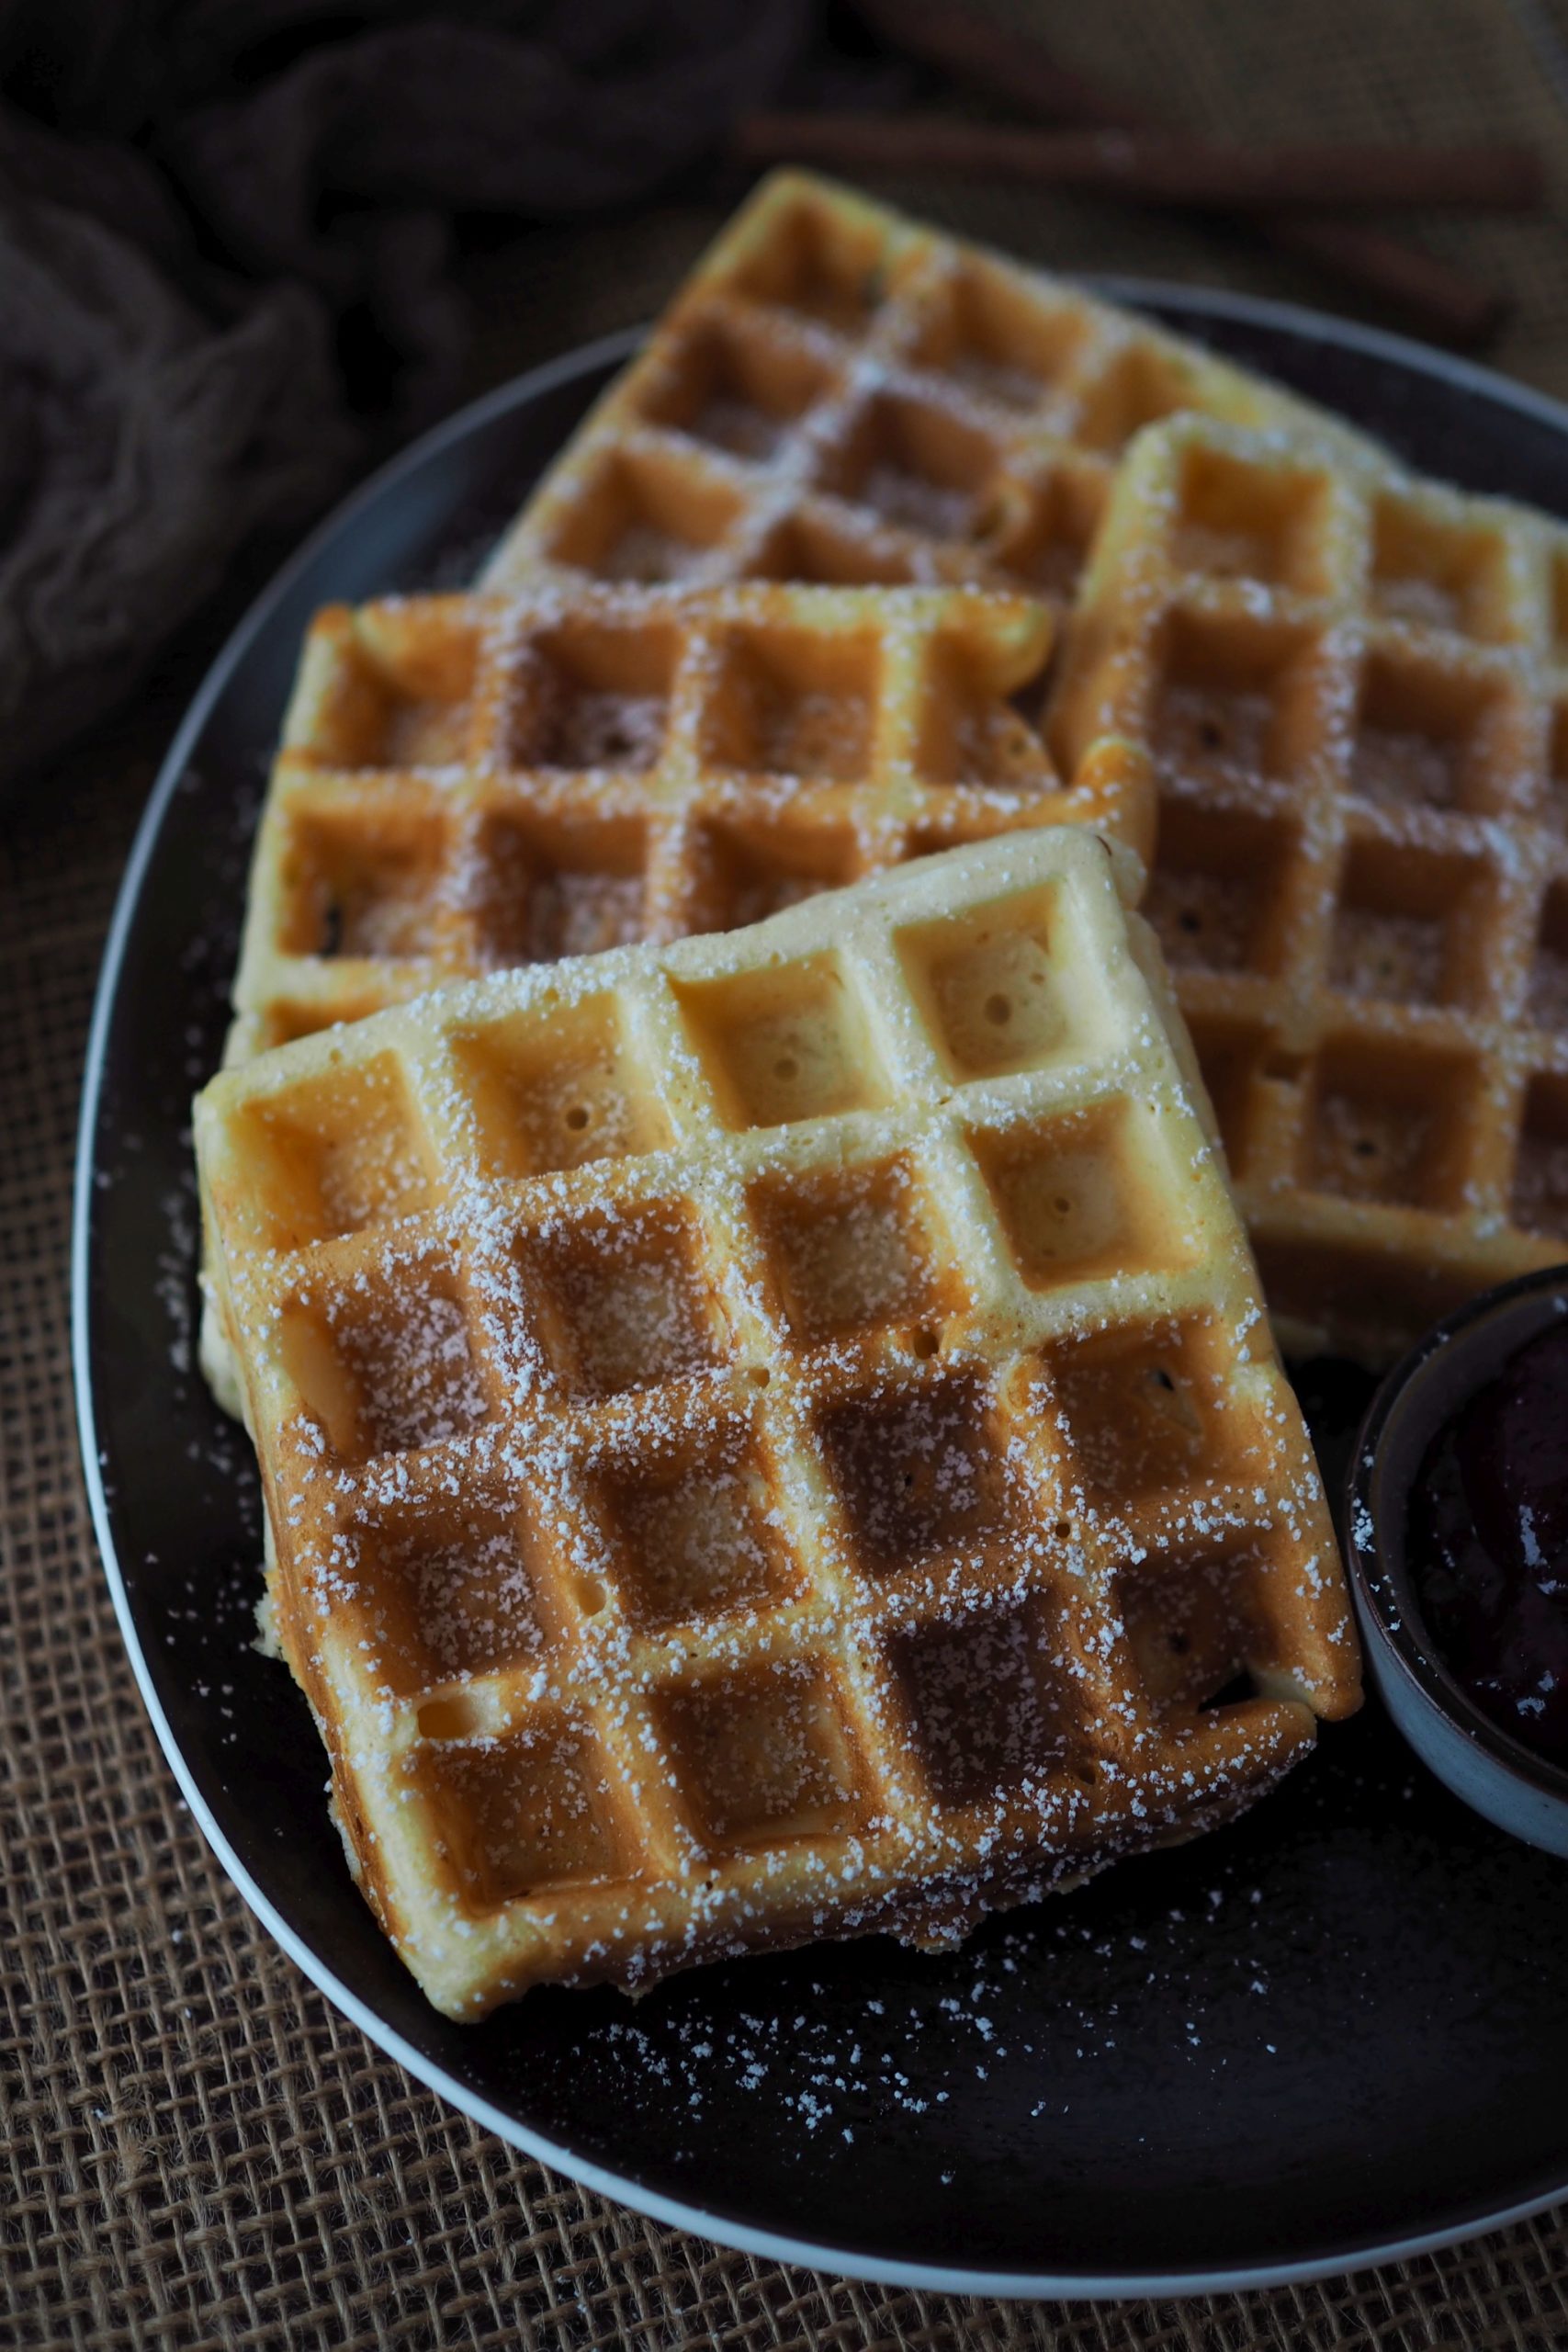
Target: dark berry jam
1487, 1544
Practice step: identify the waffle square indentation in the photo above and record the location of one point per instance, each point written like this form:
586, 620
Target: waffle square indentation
968, 734
789, 1041
820, 265
333, 1155
1409, 927
1240, 521
1001, 988
288, 1018
765, 1755
542, 891
520, 1815
1237, 1062
917, 465
1220, 887
386, 1367
1236, 703
984, 1713
1437, 574
693, 1530
833, 550
621, 1299
746, 870
1084, 1196
645, 516
854, 1249
590, 695
739, 387
1186, 1619
1428, 737
790, 702
1389, 1123
557, 1091
1144, 1408
920, 1470
400, 691
362, 882
998, 339
443, 1590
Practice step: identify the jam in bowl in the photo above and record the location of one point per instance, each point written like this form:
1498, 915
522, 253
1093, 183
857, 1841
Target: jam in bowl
1457, 1536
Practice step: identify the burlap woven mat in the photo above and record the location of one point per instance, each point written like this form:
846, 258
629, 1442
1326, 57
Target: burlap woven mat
194, 2148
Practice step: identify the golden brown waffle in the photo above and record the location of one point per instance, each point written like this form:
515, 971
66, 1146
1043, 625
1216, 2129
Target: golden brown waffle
467, 783
770, 1437
841, 394
1352, 690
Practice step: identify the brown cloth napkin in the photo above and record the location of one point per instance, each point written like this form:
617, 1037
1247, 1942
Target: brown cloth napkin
226, 233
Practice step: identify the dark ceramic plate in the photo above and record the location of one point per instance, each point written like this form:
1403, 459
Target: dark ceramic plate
1333, 2033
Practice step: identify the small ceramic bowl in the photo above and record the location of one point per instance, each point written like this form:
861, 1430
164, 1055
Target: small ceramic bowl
1477, 1760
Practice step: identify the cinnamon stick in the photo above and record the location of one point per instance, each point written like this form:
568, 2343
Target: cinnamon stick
1019, 71
1155, 166
1431, 296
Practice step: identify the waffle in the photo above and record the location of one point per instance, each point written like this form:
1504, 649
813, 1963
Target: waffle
1352, 690
467, 782
773, 1436
841, 394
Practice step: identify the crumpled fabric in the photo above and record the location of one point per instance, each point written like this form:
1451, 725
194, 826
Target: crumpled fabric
226, 244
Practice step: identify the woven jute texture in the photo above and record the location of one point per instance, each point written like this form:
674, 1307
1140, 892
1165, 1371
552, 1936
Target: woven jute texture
194, 2148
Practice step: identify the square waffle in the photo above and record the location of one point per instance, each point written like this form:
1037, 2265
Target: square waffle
1351, 688
773, 1436
471, 782
842, 394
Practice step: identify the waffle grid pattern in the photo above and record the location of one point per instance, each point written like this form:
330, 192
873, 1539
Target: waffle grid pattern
467, 783
841, 394
1352, 690
772, 1436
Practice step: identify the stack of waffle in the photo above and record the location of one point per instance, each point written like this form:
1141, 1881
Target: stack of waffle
768, 1421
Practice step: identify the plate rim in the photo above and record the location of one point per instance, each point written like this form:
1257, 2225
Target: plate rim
1298, 319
